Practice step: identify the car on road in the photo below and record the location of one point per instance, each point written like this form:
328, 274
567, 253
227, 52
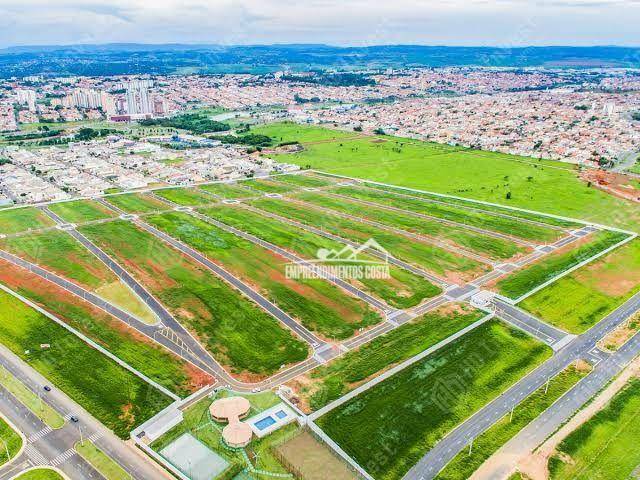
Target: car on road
74, 419
47, 388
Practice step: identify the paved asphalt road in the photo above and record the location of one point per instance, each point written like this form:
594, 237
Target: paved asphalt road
55, 447
436, 459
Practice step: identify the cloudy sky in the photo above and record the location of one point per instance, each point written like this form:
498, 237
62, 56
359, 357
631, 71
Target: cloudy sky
338, 22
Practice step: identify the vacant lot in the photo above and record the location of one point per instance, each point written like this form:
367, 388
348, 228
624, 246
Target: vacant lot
319, 305
331, 381
267, 186
236, 332
464, 464
602, 448
12, 441
303, 180
184, 196
485, 220
540, 185
80, 211
475, 242
579, 300
127, 344
18, 220
388, 428
136, 203
431, 257
402, 290
527, 278
110, 393
228, 190
60, 253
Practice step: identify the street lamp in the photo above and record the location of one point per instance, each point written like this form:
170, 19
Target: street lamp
6, 447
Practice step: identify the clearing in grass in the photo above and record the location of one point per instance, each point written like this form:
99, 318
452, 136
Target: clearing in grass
184, 196
534, 184
136, 203
450, 265
109, 392
17, 220
60, 253
237, 332
318, 304
409, 412
402, 290
464, 464
579, 300
497, 248
603, 447
139, 351
329, 382
80, 211
552, 265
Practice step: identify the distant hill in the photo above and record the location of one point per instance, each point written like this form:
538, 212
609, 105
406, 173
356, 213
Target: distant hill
118, 59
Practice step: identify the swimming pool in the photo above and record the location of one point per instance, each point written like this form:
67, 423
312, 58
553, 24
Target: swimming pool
266, 422
281, 414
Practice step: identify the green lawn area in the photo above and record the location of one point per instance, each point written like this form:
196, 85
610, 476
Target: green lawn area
464, 464
402, 290
121, 340
113, 395
454, 213
11, 441
302, 180
579, 300
184, 196
30, 400
228, 190
529, 277
433, 258
16, 220
317, 304
80, 211
136, 203
406, 414
40, 473
475, 242
104, 464
236, 332
331, 381
489, 176
603, 447
267, 186
60, 253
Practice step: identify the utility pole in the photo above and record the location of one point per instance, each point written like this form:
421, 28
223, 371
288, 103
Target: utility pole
470, 446
81, 437
511, 415
6, 447
546, 388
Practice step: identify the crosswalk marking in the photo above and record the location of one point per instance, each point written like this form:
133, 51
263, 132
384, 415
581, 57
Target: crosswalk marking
64, 456
34, 455
95, 436
38, 435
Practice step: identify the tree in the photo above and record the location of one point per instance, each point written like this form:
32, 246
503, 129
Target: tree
508, 195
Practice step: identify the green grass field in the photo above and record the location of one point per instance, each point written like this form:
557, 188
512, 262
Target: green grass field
11, 441
431, 257
529, 277
345, 373
18, 220
80, 211
267, 186
540, 185
402, 290
60, 253
302, 180
464, 464
236, 332
603, 447
184, 196
137, 350
136, 203
113, 395
579, 300
388, 428
319, 305
228, 190
487, 221
475, 242
41, 473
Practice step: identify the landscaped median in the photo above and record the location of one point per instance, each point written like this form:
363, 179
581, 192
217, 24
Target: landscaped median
10, 442
41, 473
469, 460
389, 427
102, 463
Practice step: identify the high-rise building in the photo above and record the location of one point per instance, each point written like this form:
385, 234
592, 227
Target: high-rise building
28, 98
